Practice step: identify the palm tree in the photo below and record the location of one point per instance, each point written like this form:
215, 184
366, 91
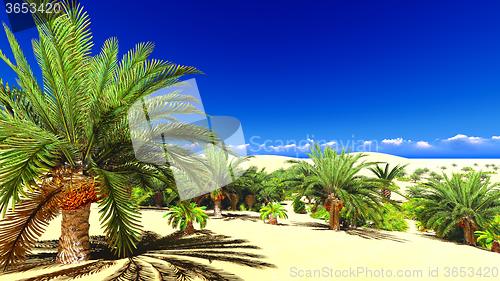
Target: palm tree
66, 144
272, 211
387, 177
185, 214
223, 170
342, 185
467, 201
252, 182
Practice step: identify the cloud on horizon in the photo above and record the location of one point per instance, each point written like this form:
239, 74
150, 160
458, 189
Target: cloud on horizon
458, 146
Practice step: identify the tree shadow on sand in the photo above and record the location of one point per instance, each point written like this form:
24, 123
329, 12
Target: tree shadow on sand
173, 257
361, 232
244, 217
374, 234
313, 225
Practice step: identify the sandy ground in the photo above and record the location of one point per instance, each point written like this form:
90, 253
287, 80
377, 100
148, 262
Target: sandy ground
303, 249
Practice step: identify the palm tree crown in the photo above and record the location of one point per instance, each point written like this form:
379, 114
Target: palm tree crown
387, 176
338, 175
467, 201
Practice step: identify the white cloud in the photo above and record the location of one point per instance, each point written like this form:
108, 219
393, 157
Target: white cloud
330, 143
397, 141
495, 137
423, 144
465, 138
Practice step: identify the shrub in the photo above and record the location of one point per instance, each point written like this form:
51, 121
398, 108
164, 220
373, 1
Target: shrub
299, 207
392, 219
141, 197
272, 211
321, 214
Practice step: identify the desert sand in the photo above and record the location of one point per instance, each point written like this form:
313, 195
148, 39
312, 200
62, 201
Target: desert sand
303, 248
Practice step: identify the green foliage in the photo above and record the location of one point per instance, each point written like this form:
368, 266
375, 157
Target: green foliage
485, 238
393, 219
435, 176
299, 207
275, 210
445, 204
321, 214
467, 169
141, 196
184, 213
243, 207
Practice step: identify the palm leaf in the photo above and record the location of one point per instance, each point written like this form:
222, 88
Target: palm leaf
21, 227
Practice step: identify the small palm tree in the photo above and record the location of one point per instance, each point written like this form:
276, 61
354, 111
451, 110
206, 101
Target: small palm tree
185, 214
272, 211
466, 201
387, 176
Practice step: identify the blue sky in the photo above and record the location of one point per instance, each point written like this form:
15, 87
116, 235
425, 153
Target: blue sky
406, 72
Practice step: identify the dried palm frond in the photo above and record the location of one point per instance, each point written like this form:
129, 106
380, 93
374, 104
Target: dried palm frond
21, 227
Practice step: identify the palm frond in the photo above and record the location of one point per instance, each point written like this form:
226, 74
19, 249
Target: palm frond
26, 153
21, 227
120, 218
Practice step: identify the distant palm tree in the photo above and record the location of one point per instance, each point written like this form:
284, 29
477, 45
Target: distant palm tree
67, 143
387, 177
185, 214
467, 201
342, 185
252, 182
223, 171
272, 211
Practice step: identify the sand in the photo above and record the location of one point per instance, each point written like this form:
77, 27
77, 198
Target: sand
303, 249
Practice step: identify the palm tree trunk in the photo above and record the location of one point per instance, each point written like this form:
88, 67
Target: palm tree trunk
189, 229
74, 245
272, 220
386, 193
217, 208
234, 201
335, 207
495, 247
158, 198
250, 200
469, 232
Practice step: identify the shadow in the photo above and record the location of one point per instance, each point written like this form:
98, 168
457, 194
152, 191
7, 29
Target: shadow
374, 234
172, 257
313, 225
244, 217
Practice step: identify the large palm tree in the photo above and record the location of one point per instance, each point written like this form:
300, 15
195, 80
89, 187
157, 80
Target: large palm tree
66, 143
338, 174
387, 176
466, 201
